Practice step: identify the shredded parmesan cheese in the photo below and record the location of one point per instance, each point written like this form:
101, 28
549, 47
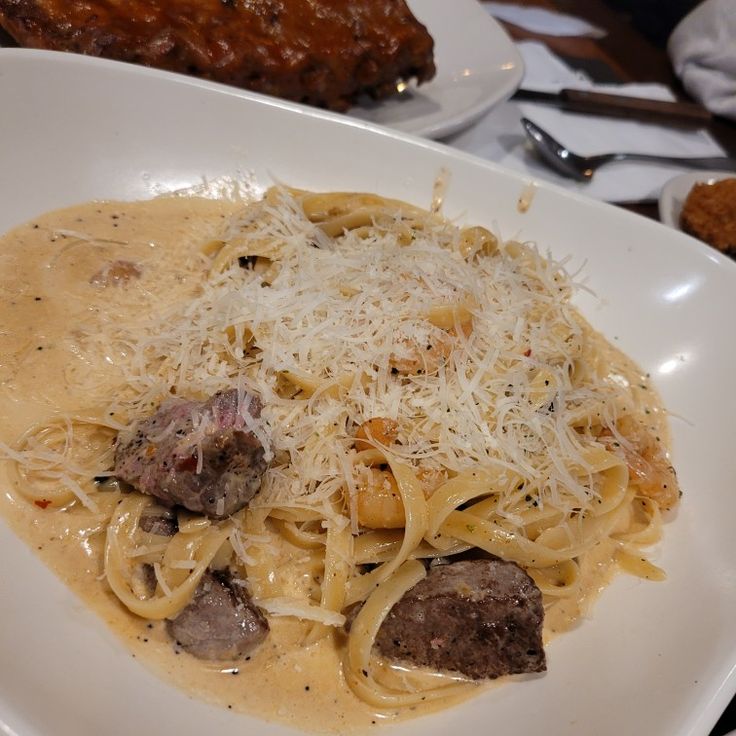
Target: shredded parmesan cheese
284, 606
346, 331
161, 580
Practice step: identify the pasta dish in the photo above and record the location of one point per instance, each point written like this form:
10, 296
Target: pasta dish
332, 425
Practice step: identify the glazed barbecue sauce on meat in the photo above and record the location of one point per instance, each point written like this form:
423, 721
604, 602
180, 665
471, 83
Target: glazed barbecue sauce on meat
322, 52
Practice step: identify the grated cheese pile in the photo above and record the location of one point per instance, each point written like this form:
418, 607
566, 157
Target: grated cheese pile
341, 314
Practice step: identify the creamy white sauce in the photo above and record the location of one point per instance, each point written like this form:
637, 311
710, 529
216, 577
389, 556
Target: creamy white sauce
51, 286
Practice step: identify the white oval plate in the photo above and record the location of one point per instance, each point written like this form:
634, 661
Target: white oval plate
653, 658
478, 67
675, 191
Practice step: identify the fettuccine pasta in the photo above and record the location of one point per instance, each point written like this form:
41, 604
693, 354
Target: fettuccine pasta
428, 390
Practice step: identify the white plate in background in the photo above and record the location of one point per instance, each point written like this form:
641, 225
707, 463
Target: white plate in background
478, 67
652, 658
675, 191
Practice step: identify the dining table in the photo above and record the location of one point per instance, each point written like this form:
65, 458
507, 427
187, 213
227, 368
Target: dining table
624, 54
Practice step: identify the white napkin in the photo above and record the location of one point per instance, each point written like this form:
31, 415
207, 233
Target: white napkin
703, 52
545, 72
539, 20
499, 136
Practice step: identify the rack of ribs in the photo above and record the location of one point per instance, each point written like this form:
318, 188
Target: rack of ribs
325, 53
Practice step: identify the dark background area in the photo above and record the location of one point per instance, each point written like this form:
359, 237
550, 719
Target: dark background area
655, 19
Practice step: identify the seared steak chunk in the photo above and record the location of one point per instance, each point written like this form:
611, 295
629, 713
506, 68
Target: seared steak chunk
162, 523
481, 618
197, 455
221, 622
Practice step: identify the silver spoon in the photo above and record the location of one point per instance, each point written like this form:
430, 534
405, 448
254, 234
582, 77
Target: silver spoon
582, 168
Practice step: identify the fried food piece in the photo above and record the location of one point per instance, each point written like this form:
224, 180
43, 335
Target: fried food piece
709, 213
322, 52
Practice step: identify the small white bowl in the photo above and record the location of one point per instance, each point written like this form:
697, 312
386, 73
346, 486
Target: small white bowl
675, 191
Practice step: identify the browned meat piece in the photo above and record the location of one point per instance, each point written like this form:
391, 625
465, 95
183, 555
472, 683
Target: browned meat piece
221, 622
212, 466
709, 213
160, 522
116, 273
164, 524
481, 618
322, 52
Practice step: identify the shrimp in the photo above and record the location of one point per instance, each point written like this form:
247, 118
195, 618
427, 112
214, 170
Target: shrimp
379, 504
650, 471
420, 348
380, 430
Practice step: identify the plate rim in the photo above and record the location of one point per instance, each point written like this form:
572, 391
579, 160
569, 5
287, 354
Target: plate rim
112, 67
465, 118
440, 128
720, 696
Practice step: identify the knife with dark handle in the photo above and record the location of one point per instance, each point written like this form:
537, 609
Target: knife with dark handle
600, 103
